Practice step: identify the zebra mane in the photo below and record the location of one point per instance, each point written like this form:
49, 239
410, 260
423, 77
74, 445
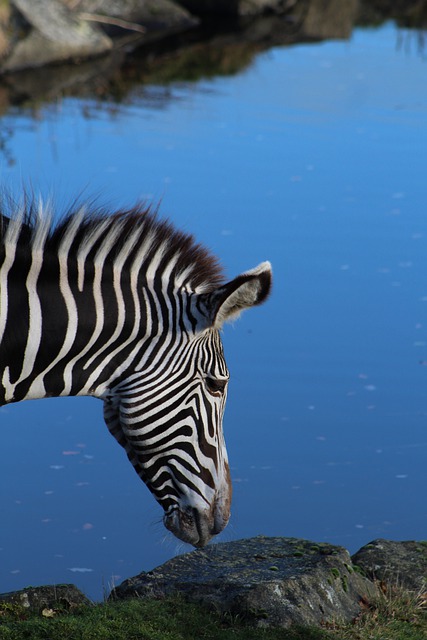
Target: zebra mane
129, 239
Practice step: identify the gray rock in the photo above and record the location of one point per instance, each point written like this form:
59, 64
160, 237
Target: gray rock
36, 33
330, 18
401, 564
269, 581
54, 34
55, 22
64, 596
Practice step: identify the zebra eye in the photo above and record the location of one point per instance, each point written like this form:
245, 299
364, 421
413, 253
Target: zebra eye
215, 387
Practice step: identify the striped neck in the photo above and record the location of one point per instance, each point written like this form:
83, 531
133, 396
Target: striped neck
86, 299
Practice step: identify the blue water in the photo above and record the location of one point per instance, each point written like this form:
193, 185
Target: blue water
314, 157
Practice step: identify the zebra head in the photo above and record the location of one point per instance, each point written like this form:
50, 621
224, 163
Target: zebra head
125, 308
169, 418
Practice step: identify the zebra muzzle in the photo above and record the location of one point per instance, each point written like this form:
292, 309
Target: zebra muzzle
196, 526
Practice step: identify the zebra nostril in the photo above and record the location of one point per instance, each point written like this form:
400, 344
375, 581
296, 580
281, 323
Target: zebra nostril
210, 523
202, 528
194, 526
219, 525
220, 521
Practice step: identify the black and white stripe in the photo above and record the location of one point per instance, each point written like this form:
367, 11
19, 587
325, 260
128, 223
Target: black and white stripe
125, 308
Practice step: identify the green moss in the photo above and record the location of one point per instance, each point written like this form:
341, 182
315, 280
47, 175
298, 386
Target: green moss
258, 614
359, 570
12, 611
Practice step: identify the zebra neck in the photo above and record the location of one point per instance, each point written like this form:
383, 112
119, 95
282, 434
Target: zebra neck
83, 303
59, 341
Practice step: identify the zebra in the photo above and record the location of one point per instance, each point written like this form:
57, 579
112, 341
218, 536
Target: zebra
124, 307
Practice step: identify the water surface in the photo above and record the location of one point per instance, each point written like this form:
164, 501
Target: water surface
312, 157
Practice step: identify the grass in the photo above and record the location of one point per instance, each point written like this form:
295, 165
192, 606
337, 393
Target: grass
396, 615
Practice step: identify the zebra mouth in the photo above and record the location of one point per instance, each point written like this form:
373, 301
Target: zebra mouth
194, 526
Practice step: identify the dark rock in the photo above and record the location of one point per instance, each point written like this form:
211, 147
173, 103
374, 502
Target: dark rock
269, 581
237, 7
125, 14
408, 13
63, 596
266, 581
261, 7
401, 564
211, 7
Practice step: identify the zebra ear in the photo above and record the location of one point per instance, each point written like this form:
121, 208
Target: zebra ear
245, 291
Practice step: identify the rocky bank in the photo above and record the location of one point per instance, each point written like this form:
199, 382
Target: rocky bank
39, 33
111, 49
270, 582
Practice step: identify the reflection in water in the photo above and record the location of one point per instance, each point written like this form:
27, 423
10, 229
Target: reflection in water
409, 41
312, 157
221, 47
